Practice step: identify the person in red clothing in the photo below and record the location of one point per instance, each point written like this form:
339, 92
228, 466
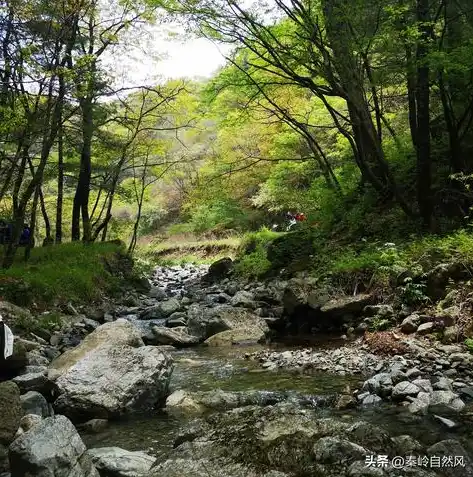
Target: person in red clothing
300, 217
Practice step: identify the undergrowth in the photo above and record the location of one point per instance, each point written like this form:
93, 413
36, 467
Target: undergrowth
71, 272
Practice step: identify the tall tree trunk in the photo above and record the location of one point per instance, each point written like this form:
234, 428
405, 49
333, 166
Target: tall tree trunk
423, 117
370, 152
411, 95
81, 197
47, 223
60, 170
34, 209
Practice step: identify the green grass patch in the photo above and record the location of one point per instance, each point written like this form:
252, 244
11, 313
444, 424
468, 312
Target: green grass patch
71, 272
253, 253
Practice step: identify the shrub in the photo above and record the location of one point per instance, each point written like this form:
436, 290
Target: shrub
252, 256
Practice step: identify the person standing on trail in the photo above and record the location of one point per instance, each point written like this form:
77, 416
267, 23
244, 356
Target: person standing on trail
6, 341
25, 235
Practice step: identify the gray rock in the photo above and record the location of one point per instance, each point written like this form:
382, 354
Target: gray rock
406, 445
410, 324
35, 403
451, 334
206, 322
447, 422
330, 450
94, 426
371, 400
442, 384
112, 381
426, 328
90, 324
404, 389
178, 337
420, 405
378, 310
244, 299
380, 384
218, 270
161, 310
202, 467
465, 358
445, 401
116, 462
413, 373
118, 333
35, 358
177, 319
51, 448
397, 375
31, 382
11, 411
424, 385
28, 422
451, 448
352, 304
157, 293
360, 469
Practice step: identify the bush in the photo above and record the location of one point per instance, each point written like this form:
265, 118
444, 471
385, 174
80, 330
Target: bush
252, 258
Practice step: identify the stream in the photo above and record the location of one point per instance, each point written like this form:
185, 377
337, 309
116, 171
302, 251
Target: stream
206, 369
220, 371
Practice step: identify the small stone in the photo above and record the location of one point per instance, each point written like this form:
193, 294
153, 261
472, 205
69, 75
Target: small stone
447, 422
413, 373
345, 401
421, 404
424, 385
426, 328
410, 324
95, 425
371, 400
403, 389
442, 384
406, 445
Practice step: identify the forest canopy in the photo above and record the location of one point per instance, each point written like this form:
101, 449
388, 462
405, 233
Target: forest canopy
359, 113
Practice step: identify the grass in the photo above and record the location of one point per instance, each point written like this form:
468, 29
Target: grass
348, 264
185, 248
70, 272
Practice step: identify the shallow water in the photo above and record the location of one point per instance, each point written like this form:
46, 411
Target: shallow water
205, 369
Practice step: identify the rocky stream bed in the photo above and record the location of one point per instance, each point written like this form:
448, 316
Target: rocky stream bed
190, 379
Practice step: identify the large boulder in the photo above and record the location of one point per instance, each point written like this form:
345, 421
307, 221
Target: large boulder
218, 270
237, 336
51, 448
11, 411
178, 336
118, 333
345, 305
300, 294
205, 322
114, 380
116, 462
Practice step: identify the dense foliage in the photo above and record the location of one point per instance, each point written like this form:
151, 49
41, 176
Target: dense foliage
358, 113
